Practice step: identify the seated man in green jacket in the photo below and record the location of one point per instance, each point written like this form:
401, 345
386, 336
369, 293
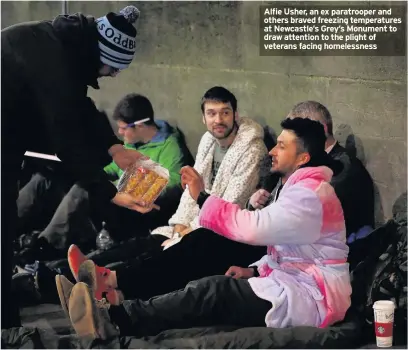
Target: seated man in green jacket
160, 142
78, 216
155, 139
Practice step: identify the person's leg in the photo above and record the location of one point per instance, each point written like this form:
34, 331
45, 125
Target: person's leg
144, 247
216, 300
121, 223
41, 193
71, 222
201, 253
132, 250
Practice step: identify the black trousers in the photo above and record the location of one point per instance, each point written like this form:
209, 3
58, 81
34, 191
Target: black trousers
136, 249
38, 199
76, 217
200, 254
215, 300
64, 212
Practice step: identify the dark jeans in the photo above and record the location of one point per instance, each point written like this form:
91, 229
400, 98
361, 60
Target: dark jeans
201, 253
215, 300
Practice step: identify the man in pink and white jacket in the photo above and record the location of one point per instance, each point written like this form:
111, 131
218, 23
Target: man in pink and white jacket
302, 281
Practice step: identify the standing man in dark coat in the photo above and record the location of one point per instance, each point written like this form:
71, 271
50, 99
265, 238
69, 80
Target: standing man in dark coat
46, 69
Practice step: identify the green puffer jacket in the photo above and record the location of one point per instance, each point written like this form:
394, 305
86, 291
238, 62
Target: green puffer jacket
165, 148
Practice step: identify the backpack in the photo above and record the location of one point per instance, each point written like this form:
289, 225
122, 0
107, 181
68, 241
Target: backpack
388, 281
389, 278
378, 271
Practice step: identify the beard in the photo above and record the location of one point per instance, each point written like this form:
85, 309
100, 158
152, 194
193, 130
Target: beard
276, 172
227, 131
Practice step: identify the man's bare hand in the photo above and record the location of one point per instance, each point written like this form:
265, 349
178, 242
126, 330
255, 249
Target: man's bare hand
127, 201
125, 157
179, 228
240, 272
186, 231
259, 199
167, 241
191, 178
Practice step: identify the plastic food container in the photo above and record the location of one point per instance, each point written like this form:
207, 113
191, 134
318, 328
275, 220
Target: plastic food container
145, 181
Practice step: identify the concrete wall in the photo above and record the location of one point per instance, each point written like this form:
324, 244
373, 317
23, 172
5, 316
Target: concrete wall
185, 48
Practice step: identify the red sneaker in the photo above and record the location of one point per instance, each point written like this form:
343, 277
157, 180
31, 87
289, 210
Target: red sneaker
75, 259
96, 278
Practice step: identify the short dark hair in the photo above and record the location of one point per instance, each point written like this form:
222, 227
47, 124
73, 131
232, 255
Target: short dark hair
307, 108
310, 138
132, 108
219, 94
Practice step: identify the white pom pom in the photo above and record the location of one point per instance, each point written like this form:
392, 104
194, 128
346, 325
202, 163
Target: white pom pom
131, 13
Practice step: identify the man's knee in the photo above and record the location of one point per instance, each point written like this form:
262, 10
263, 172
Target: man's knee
210, 282
77, 191
38, 181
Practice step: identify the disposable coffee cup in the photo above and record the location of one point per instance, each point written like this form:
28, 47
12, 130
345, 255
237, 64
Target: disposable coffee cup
384, 322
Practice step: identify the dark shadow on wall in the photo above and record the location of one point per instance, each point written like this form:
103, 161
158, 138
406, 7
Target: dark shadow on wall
270, 181
345, 136
399, 209
270, 135
352, 143
378, 208
192, 136
355, 148
188, 157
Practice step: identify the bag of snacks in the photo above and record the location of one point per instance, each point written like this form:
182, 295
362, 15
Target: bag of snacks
144, 180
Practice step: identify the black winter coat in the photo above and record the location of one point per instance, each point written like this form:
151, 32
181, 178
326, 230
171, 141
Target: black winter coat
355, 189
46, 69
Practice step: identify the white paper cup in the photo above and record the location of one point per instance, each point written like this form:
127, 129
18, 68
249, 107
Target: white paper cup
384, 322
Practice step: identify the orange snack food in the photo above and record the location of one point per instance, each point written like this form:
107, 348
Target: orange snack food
144, 180
133, 181
141, 188
154, 191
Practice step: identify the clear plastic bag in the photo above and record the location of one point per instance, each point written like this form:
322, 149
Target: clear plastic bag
145, 181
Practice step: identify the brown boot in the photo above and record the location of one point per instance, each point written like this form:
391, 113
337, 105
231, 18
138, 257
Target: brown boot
64, 288
90, 317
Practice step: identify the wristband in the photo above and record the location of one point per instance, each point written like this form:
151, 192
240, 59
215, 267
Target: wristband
256, 273
202, 197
